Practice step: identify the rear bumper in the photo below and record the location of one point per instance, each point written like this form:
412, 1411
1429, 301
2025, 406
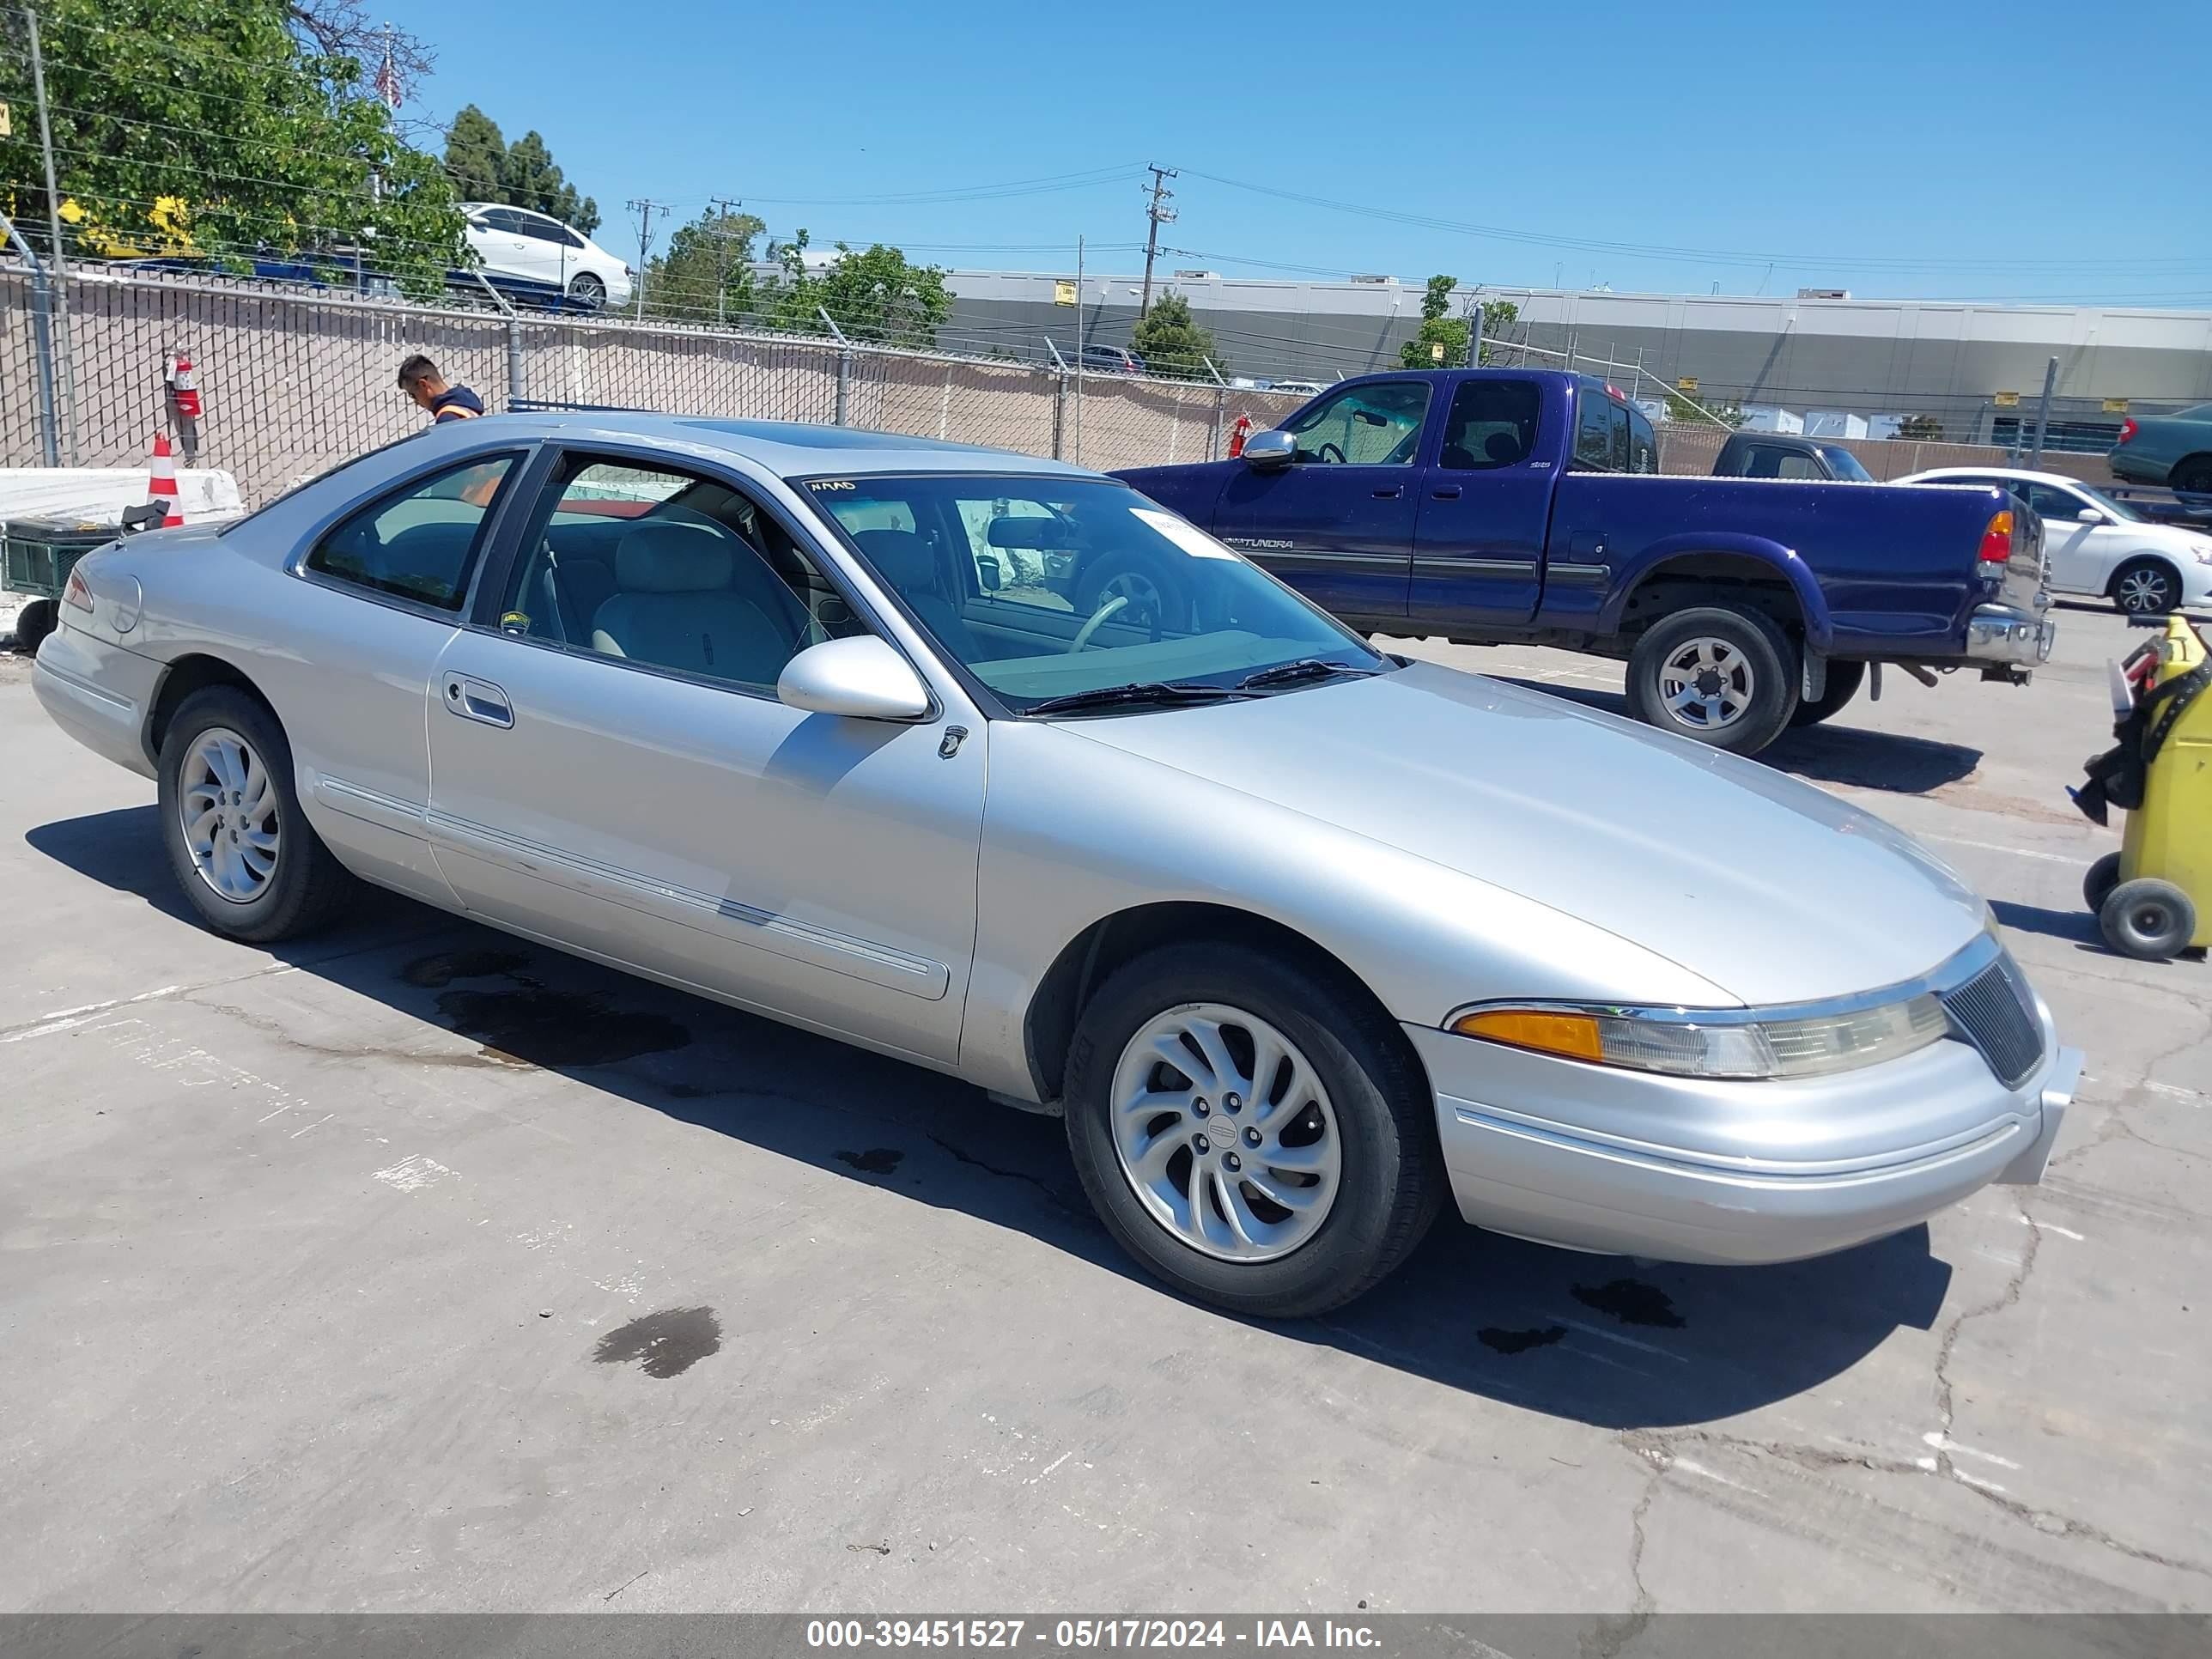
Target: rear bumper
98, 692
1558, 1181
2136, 470
2007, 634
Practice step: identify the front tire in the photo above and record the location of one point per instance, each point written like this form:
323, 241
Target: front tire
1722, 676
1249, 1130
2145, 588
1844, 679
241, 849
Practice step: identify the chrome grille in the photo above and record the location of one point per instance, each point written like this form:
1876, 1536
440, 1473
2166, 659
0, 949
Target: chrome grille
1995, 1011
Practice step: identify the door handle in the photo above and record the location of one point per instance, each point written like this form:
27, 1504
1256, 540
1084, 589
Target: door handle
1449, 493
1389, 495
478, 700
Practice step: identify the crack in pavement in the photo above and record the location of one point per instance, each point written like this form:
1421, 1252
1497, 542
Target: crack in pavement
1612, 1632
1058, 1202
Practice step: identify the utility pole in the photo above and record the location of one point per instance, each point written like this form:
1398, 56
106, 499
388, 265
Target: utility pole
722, 206
1157, 213
645, 208
2043, 414
1078, 351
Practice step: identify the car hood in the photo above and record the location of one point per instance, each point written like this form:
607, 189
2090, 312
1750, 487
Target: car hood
1766, 887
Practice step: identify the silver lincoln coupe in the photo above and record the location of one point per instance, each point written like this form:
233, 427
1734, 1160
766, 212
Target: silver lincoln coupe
1294, 935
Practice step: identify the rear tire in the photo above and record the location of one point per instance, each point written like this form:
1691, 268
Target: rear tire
1371, 1118
2193, 476
1720, 676
2149, 919
1844, 679
2145, 588
246, 857
33, 623
2098, 880
587, 292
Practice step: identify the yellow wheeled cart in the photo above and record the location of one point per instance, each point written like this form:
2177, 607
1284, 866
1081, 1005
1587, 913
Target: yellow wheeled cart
2154, 897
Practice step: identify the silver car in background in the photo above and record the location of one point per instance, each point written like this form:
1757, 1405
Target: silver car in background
1297, 936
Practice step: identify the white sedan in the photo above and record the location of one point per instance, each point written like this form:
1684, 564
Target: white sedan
530, 254
2094, 544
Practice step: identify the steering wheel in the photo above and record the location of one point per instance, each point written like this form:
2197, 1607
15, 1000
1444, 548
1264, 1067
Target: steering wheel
1098, 617
1323, 453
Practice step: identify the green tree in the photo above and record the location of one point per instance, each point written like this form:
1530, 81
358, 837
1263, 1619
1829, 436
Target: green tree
1925, 429
475, 153
1442, 340
707, 273
485, 167
1172, 341
1497, 317
874, 294
1682, 408
206, 127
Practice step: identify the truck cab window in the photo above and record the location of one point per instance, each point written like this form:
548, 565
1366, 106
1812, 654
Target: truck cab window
1594, 448
1491, 423
1376, 424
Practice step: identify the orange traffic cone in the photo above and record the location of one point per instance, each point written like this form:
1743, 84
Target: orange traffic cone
162, 490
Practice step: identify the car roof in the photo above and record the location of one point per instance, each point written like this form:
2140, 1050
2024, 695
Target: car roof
787, 448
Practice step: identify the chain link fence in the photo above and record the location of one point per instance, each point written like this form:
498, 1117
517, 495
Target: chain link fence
296, 381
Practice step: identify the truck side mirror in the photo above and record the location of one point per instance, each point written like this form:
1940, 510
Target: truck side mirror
1270, 449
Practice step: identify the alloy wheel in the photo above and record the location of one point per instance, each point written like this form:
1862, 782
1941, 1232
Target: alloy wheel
2146, 593
227, 806
1707, 683
1226, 1131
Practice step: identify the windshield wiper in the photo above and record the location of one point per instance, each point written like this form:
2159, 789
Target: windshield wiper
1159, 693
1306, 668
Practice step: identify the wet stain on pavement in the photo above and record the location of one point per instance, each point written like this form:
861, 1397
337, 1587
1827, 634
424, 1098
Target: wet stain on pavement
435, 972
665, 1344
877, 1160
558, 1028
1631, 1302
1502, 1341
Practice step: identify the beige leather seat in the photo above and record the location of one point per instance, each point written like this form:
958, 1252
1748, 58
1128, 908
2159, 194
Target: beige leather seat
675, 606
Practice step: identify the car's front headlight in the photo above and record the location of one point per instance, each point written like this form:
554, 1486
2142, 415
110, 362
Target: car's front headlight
1715, 1043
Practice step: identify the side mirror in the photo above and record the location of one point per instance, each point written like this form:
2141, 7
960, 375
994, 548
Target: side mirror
1266, 449
988, 574
860, 678
2090, 515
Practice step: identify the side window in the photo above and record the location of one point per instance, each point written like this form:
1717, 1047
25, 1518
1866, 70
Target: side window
573, 238
1593, 430
1794, 463
1491, 423
1374, 425
1643, 445
504, 220
668, 569
1619, 447
421, 543
2056, 504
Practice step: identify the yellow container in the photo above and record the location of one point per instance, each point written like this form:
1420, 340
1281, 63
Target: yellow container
2169, 837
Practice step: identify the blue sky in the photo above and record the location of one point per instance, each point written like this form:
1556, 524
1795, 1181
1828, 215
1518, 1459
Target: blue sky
2031, 150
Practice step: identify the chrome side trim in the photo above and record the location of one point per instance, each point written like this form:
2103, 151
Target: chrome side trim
779, 935
1475, 567
372, 806
1581, 575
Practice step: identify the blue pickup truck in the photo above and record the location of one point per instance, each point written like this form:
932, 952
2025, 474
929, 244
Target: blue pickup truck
1488, 506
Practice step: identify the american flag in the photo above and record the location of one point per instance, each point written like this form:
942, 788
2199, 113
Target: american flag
387, 75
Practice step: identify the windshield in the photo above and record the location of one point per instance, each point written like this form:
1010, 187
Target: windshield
1049, 587
2119, 510
1845, 464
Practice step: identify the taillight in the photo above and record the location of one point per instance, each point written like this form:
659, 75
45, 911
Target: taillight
77, 594
2128, 430
1997, 540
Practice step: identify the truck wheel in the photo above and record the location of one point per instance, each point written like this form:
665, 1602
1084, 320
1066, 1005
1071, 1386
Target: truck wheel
2098, 880
2147, 918
1249, 1131
33, 623
1725, 677
2145, 588
244, 853
1844, 679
